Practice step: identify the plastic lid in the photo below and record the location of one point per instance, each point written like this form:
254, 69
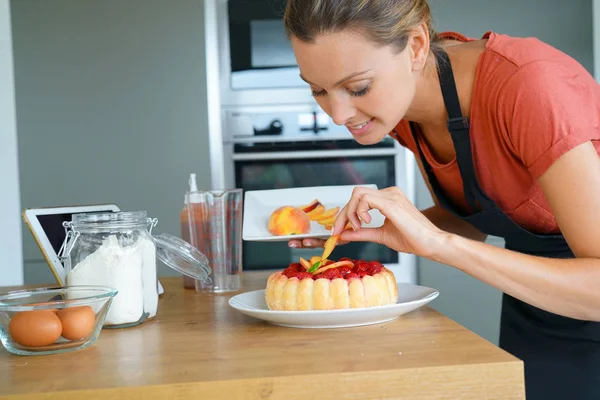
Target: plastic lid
192, 196
182, 257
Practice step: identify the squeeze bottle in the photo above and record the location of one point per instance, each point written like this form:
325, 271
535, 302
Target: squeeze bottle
190, 221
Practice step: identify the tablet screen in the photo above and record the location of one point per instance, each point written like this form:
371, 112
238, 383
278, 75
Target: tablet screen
52, 224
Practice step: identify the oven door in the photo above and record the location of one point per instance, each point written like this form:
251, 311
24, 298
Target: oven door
286, 169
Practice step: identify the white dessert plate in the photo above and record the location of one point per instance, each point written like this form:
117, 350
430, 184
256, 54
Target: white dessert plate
260, 204
410, 298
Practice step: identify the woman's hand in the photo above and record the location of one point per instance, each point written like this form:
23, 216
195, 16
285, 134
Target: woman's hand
306, 243
310, 243
405, 228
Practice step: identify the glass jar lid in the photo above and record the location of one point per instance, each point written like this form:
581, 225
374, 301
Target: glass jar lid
109, 221
182, 257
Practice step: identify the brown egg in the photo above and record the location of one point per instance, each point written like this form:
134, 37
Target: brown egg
77, 322
35, 328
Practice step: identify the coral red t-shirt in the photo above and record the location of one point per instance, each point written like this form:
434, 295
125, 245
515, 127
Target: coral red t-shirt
530, 105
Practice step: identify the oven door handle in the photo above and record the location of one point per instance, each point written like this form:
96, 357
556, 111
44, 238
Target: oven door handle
295, 155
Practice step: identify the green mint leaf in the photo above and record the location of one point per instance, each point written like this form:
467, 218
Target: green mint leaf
314, 267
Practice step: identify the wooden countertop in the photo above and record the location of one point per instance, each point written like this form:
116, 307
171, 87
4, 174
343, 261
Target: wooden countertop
199, 347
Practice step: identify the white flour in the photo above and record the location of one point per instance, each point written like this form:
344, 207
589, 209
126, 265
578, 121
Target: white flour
122, 268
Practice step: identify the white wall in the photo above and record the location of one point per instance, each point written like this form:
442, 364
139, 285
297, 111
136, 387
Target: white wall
11, 261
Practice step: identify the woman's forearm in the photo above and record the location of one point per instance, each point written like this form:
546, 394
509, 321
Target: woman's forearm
449, 223
568, 287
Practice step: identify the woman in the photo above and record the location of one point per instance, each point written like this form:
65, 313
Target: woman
506, 133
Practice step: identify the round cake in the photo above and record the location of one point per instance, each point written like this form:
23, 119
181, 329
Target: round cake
334, 285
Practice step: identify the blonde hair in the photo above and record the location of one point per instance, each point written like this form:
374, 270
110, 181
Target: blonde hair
385, 22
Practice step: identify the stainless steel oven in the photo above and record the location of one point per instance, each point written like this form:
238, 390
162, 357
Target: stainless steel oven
284, 147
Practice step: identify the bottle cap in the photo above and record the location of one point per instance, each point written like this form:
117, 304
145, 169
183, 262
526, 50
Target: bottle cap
192, 195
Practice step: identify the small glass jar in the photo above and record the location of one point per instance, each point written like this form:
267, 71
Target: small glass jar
118, 250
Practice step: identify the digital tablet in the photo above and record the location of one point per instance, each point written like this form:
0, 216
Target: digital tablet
46, 226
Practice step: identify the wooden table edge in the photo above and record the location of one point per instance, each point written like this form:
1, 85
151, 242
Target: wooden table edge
500, 380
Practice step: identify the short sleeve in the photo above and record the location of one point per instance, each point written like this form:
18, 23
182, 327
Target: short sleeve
549, 108
401, 133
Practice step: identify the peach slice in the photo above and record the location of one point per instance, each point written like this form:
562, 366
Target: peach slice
334, 265
288, 220
328, 221
328, 214
329, 246
316, 212
305, 263
331, 242
315, 259
310, 206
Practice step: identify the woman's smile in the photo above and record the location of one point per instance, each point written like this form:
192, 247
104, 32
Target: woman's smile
360, 129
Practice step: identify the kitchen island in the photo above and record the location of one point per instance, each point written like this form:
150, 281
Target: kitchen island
198, 347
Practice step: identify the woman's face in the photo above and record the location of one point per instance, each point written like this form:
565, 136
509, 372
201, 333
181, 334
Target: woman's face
367, 88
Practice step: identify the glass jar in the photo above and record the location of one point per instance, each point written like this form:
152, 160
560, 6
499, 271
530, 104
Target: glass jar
118, 250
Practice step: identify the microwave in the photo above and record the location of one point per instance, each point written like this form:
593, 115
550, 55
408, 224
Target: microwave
257, 65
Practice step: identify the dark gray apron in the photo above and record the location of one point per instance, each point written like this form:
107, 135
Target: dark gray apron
561, 355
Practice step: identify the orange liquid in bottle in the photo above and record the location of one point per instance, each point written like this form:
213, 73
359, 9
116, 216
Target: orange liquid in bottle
188, 282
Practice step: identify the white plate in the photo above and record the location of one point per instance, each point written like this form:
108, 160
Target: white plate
259, 204
410, 297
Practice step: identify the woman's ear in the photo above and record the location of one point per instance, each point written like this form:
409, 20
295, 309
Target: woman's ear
419, 46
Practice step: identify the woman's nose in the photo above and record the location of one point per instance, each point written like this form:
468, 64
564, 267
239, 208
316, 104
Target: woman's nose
342, 111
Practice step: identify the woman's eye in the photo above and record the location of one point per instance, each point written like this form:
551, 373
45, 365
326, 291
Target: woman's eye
357, 93
361, 92
317, 93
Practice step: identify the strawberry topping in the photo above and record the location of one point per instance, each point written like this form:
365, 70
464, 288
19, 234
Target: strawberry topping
303, 275
332, 273
297, 266
351, 275
361, 268
290, 272
375, 269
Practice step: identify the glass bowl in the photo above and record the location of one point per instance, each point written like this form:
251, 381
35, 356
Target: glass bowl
53, 320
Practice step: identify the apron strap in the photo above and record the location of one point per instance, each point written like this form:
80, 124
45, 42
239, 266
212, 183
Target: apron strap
459, 129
